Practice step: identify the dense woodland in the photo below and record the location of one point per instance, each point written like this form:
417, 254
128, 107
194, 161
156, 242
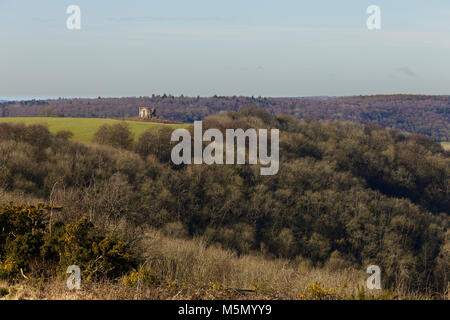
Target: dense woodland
428, 115
346, 195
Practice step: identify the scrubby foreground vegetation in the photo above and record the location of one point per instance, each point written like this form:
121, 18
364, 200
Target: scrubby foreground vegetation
346, 196
181, 268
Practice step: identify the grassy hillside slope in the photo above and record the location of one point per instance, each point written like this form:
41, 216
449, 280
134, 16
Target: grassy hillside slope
84, 128
446, 145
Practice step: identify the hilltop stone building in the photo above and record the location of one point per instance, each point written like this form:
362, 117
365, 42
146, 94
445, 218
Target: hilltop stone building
147, 113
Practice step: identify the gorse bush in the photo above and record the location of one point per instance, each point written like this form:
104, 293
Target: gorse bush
142, 276
96, 255
22, 237
29, 247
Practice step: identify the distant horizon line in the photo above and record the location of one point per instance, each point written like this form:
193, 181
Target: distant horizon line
13, 99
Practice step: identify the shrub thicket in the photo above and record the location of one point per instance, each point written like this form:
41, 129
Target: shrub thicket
117, 135
345, 195
29, 247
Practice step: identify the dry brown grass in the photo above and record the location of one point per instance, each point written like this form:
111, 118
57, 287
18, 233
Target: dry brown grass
189, 269
195, 264
446, 145
17, 197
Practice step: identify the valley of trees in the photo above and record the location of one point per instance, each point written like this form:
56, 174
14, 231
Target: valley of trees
428, 115
346, 195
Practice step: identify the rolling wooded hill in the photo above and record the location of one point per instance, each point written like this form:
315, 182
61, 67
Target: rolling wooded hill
428, 115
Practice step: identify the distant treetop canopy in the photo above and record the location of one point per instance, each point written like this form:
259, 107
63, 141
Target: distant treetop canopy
428, 115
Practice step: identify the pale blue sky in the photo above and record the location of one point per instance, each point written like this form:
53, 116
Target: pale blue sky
207, 47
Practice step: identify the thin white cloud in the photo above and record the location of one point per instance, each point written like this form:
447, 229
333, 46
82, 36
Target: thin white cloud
167, 18
406, 71
387, 37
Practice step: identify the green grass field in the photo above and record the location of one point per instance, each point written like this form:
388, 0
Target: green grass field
84, 128
446, 145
